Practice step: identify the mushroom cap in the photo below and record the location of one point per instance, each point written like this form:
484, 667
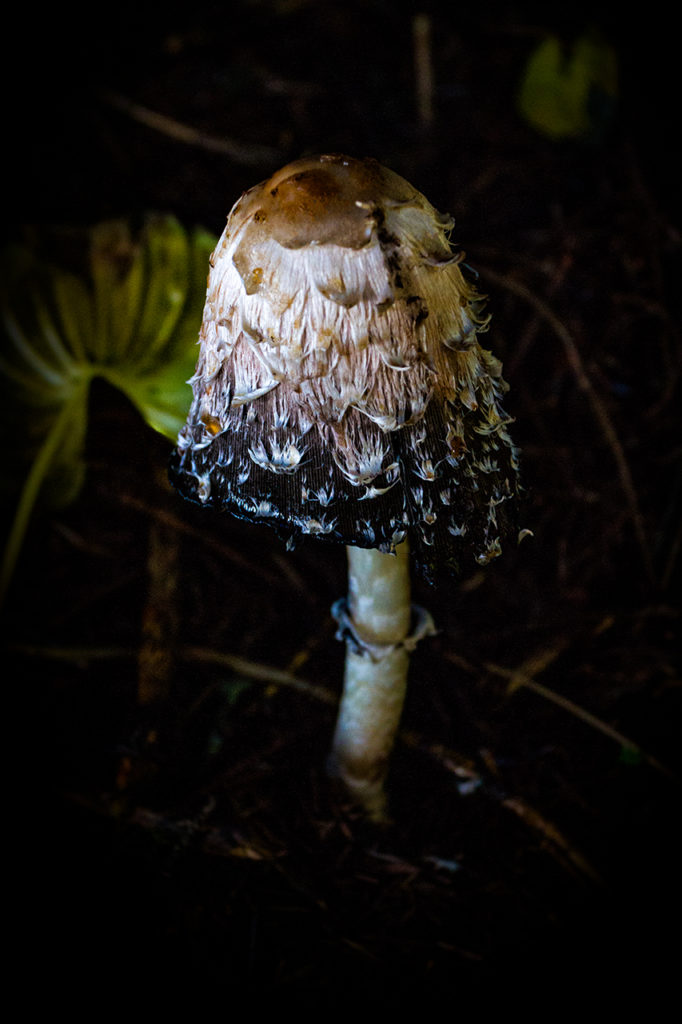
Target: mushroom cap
341, 391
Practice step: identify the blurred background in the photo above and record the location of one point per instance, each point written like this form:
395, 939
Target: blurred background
175, 672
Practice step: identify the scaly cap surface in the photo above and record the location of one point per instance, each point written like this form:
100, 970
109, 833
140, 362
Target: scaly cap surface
340, 389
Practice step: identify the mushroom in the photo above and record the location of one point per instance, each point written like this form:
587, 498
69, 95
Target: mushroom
341, 393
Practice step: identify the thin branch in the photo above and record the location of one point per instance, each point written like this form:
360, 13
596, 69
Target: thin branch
598, 408
279, 677
241, 152
423, 69
204, 655
156, 658
557, 842
258, 671
284, 581
554, 841
523, 677
31, 489
519, 679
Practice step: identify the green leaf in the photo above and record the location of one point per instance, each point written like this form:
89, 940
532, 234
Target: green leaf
133, 320
169, 252
63, 443
75, 309
158, 384
570, 93
631, 755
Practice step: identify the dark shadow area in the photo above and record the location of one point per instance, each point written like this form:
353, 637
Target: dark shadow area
192, 839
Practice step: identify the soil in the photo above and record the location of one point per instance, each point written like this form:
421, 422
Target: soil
174, 820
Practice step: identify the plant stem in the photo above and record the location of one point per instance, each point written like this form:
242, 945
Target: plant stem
378, 617
31, 489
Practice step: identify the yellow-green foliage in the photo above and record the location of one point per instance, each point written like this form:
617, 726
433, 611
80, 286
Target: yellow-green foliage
570, 93
131, 319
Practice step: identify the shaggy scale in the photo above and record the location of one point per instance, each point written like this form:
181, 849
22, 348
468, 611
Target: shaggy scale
341, 390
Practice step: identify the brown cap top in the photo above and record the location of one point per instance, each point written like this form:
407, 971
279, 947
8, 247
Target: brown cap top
324, 199
340, 389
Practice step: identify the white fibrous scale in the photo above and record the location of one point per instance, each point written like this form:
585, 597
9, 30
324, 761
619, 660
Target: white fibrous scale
341, 390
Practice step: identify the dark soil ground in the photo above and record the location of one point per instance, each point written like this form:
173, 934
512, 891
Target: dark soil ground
175, 824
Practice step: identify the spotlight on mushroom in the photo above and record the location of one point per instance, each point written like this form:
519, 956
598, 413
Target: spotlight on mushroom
341, 392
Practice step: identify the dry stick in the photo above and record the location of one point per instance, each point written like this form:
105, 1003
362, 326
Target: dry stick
538, 662
279, 677
450, 760
552, 836
261, 673
205, 655
423, 69
230, 554
160, 616
240, 152
518, 679
600, 413
528, 337
558, 845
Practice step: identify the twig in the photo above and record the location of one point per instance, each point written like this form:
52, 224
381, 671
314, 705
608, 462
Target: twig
253, 568
600, 413
518, 679
258, 671
31, 489
551, 835
251, 669
268, 674
448, 759
523, 677
160, 616
463, 769
423, 69
527, 340
241, 152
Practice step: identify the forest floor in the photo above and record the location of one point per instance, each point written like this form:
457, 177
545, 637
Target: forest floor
178, 671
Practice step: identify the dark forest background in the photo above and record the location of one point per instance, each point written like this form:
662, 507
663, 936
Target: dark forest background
192, 837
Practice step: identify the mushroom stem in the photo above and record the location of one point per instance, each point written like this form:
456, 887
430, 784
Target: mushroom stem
377, 617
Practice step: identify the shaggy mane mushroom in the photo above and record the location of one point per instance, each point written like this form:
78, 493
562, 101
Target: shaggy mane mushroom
341, 392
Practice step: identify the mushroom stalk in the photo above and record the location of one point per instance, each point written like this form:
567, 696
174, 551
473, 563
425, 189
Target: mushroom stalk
377, 618
341, 392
